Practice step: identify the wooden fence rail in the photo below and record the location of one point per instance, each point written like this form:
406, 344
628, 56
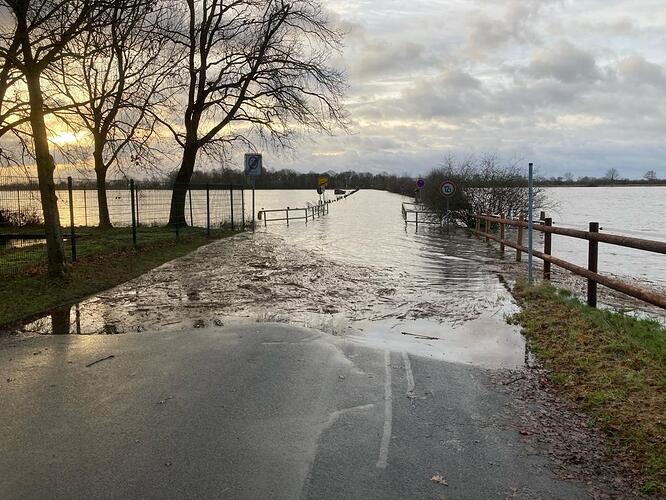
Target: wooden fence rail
593, 236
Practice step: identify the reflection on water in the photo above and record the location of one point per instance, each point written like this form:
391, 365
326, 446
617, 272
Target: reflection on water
70, 319
8, 243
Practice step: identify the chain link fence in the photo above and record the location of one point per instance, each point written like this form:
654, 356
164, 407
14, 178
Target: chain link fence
138, 213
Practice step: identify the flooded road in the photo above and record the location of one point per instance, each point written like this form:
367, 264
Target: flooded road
357, 272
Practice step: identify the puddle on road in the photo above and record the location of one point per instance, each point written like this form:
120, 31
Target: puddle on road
437, 286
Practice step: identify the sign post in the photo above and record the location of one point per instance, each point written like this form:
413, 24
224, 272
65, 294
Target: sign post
321, 187
447, 188
530, 220
253, 167
420, 184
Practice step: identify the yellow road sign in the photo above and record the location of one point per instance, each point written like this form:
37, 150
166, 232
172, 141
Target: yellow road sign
323, 180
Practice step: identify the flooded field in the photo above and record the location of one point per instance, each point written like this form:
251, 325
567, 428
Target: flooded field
636, 211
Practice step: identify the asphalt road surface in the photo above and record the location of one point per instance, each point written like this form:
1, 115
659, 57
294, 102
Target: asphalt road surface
254, 411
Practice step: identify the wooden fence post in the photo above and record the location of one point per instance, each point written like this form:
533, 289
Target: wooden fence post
547, 244
477, 225
487, 226
503, 216
519, 239
592, 265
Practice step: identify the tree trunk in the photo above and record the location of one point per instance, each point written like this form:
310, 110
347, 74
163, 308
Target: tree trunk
102, 202
45, 168
182, 183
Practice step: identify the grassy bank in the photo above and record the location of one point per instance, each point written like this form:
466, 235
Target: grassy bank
104, 261
614, 366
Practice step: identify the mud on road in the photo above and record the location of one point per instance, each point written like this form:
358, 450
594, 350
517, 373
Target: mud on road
261, 277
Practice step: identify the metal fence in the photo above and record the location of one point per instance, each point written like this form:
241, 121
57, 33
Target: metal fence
138, 213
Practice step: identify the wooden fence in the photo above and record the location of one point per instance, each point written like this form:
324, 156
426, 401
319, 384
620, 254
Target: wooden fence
593, 236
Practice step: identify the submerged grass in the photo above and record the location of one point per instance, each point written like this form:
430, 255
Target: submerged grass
611, 364
105, 261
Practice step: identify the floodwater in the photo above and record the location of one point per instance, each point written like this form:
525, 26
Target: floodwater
357, 272
636, 211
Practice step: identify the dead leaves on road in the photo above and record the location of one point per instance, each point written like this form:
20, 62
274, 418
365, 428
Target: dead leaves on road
439, 480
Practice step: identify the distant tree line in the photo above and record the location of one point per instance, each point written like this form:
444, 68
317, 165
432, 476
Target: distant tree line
290, 179
611, 178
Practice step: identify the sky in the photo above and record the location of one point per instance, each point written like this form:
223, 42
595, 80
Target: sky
573, 86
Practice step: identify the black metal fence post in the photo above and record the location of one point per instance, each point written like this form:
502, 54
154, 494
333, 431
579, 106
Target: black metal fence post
592, 265
72, 231
85, 205
208, 210
133, 213
189, 190
136, 196
243, 205
231, 199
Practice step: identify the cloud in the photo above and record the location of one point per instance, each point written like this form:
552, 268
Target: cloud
565, 63
382, 58
636, 70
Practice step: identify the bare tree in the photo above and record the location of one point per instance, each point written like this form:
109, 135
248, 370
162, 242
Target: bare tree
485, 185
258, 64
111, 89
612, 174
35, 35
650, 175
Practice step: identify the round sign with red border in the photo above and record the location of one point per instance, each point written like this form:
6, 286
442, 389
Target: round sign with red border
420, 183
448, 188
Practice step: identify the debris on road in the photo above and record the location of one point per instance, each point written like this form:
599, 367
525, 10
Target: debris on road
439, 480
100, 360
419, 336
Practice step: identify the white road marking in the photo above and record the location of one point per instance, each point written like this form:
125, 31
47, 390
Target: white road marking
410, 375
382, 461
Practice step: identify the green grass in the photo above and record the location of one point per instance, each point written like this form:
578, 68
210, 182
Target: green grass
89, 241
105, 259
612, 365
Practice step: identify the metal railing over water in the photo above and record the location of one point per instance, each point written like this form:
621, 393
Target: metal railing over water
593, 236
417, 213
305, 214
